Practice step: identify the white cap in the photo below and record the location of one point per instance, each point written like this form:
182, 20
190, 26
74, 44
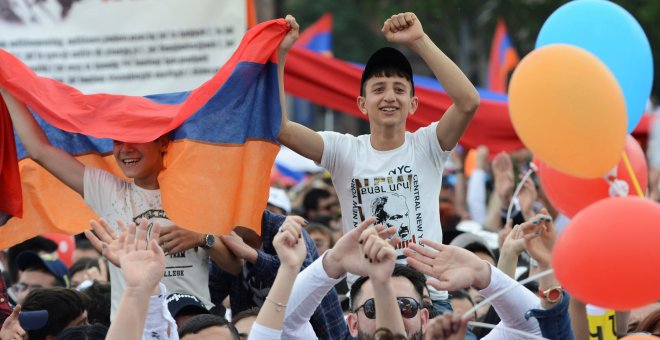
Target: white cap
279, 198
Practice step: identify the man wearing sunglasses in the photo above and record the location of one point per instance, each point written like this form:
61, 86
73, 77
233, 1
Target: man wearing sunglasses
408, 285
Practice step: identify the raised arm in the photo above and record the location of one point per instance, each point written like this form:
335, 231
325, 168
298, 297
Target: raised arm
406, 29
296, 137
59, 163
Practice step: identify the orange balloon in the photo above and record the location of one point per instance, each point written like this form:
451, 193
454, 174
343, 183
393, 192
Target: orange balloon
568, 109
571, 194
607, 256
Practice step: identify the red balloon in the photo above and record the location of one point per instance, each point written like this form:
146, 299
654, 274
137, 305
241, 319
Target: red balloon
607, 256
570, 194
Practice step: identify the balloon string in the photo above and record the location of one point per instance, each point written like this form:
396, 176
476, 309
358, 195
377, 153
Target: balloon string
507, 329
518, 188
632, 175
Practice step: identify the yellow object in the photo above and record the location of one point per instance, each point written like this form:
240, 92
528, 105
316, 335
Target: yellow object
631, 173
602, 323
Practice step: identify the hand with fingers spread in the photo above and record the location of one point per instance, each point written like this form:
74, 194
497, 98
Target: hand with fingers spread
346, 255
105, 240
11, 329
539, 236
379, 254
447, 326
142, 262
175, 239
403, 28
290, 37
451, 267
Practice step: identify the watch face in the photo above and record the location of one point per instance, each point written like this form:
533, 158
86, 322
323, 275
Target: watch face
554, 294
210, 240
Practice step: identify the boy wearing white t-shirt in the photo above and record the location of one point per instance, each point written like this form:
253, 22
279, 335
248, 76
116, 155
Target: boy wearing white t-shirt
392, 174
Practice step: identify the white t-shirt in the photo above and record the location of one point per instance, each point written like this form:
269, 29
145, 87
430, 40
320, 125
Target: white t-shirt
401, 187
115, 199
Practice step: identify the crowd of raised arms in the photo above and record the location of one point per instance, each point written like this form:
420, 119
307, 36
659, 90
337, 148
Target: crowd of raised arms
379, 246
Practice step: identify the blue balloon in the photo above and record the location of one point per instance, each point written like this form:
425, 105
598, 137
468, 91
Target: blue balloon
614, 36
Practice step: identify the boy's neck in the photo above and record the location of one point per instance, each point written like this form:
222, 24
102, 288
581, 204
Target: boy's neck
147, 183
387, 139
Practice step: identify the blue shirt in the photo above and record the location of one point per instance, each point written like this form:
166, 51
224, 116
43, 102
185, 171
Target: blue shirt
555, 323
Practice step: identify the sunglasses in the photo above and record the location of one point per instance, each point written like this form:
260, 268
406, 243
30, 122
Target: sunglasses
407, 305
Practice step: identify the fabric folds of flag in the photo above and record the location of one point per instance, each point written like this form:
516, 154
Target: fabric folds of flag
318, 36
503, 59
217, 167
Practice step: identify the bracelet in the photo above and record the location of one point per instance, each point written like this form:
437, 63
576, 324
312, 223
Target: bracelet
280, 306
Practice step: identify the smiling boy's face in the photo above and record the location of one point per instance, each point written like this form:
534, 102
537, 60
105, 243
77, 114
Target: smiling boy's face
141, 161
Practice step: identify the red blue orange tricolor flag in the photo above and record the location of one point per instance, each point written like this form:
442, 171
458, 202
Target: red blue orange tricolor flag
503, 59
318, 36
217, 167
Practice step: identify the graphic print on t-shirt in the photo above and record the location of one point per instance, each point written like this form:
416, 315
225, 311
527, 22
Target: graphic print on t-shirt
172, 269
395, 202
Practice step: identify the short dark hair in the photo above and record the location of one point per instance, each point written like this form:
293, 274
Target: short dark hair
63, 306
254, 311
98, 308
387, 62
83, 264
312, 198
417, 279
203, 321
95, 331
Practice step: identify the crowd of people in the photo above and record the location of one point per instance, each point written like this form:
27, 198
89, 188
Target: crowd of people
396, 241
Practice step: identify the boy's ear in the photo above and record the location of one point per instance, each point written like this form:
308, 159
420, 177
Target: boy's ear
362, 104
164, 142
414, 104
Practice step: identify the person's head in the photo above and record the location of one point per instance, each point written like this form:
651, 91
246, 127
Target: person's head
461, 302
38, 244
650, 324
39, 271
98, 308
391, 210
84, 249
66, 308
408, 286
278, 201
95, 331
78, 270
208, 326
387, 93
243, 321
321, 235
475, 244
184, 307
319, 202
141, 161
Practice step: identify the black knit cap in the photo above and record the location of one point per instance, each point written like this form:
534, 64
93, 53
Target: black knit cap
387, 60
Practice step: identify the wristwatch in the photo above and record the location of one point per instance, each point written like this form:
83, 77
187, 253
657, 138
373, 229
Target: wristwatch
209, 241
552, 294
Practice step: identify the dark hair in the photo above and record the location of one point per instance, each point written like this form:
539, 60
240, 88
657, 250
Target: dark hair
650, 323
83, 264
98, 308
462, 294
417, 279
318, 227
63, 306
36, 244
254, 311
387, 62
203, 321
84, 244
390, 71
476, 247
95, 331
312, 198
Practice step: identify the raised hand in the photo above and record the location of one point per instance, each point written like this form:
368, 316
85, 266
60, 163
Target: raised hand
290, 245
175, 239
540, 236
514, 242
105, 240
503, 173
451, 267
346, 255
12, 329
403, 28
379, 254
527, 197
290, 37
447, 326
142, 262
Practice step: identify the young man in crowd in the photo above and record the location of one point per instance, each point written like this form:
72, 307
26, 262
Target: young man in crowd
39, 271
392, 174
117, 200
